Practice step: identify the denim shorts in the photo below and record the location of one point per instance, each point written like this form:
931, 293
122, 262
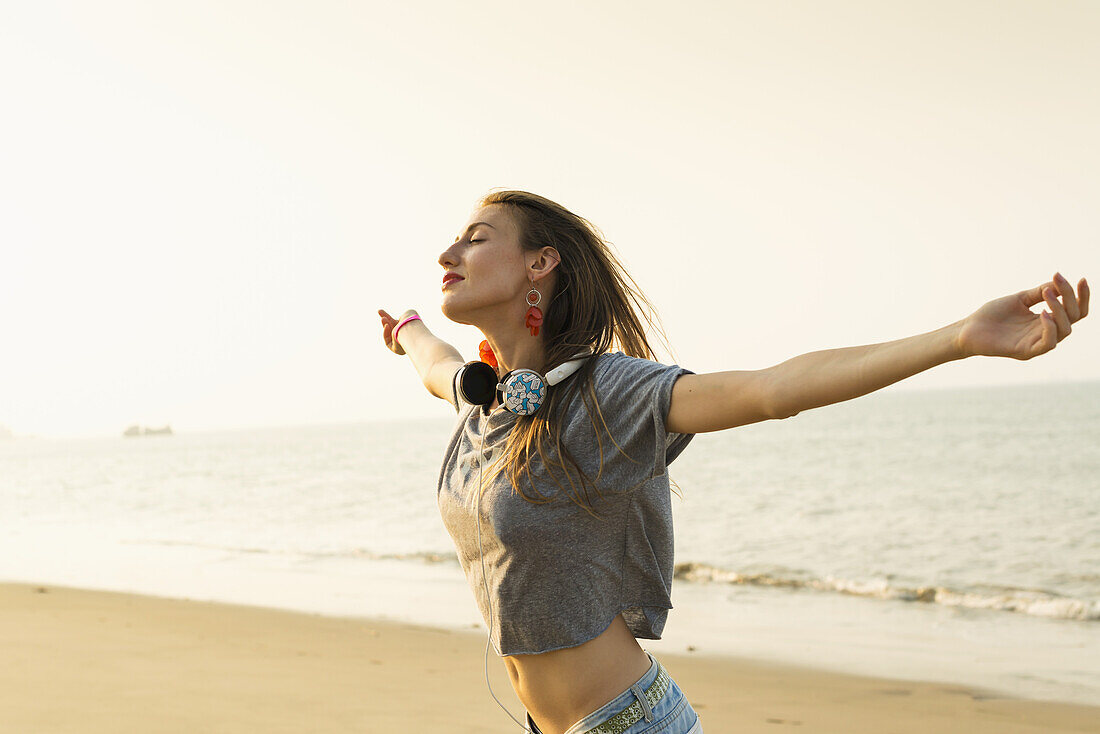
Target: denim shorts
666, 712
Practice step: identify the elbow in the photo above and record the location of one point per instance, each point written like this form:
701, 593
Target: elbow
780, 408
783, 414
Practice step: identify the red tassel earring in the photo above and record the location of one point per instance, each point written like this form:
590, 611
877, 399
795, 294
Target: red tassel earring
486, 353
534, 314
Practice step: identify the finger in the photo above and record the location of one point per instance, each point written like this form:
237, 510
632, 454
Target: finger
1049, 335
1083, 297
1034, 295
1069, 299
1059, 311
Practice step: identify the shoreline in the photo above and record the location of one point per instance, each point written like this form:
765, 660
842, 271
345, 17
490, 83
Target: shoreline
96, 661
1016, 656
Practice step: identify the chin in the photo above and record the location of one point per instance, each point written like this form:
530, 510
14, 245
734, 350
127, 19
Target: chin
453, 314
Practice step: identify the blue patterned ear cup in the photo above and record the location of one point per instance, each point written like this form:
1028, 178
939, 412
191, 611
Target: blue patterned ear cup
524, 391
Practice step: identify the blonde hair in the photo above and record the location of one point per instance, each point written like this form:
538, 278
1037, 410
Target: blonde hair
594, 305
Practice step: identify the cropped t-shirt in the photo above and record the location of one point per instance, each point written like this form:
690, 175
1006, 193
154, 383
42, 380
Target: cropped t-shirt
558, 576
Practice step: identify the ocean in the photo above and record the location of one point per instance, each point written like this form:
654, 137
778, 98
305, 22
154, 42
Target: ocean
947, 535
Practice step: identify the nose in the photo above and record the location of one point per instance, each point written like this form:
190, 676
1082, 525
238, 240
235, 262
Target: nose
448, 259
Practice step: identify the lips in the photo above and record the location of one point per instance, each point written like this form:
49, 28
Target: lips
450, 278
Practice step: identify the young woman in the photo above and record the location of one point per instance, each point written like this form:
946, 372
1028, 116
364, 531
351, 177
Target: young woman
558, 499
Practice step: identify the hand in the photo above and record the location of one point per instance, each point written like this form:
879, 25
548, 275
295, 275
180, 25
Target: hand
1007, 327
388, 322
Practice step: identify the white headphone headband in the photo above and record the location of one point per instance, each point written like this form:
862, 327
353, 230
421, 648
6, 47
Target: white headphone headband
559, 373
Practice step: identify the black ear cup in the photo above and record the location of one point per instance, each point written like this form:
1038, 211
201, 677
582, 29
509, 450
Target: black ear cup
477, 383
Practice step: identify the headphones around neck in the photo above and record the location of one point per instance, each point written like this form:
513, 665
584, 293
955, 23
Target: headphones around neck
522, 391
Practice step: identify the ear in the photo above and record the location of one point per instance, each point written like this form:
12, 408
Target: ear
541, 262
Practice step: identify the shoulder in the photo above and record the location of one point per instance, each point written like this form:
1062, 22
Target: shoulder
634, 384
618, 362
617, 366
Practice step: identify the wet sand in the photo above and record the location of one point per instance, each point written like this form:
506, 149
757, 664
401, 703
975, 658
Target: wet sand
92, 662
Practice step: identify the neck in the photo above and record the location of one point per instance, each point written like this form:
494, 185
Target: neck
517, 349
511, 339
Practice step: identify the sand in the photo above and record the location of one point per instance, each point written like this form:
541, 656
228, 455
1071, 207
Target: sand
91, 662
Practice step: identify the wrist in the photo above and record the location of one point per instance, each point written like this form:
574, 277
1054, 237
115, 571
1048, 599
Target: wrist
958, 347
409, 320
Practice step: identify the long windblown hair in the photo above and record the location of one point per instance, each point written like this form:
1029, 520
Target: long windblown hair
594, 305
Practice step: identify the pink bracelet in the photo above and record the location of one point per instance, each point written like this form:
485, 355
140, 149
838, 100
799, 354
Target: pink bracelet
401, 323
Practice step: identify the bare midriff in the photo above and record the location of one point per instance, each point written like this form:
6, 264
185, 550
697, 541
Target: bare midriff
561, 687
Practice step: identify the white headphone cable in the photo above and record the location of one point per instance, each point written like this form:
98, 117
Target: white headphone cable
485, 582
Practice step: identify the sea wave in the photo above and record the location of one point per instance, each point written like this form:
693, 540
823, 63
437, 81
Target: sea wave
422, 556
1033, 602
1038, 603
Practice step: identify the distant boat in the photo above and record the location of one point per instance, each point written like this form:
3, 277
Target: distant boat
146, 431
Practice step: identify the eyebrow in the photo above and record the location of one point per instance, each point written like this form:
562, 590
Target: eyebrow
474, 225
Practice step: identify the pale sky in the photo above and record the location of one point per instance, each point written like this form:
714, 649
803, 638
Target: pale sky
203, 204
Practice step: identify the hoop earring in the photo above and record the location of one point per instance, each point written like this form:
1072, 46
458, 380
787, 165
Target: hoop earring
534, 315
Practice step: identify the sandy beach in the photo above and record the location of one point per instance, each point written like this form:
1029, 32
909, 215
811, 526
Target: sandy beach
92, 661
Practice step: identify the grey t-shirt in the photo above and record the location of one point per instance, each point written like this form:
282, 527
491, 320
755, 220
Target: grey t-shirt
558, 576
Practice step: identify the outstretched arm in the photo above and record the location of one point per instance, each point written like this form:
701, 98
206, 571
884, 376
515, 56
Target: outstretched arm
835, 375
1005, 327
434, 359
